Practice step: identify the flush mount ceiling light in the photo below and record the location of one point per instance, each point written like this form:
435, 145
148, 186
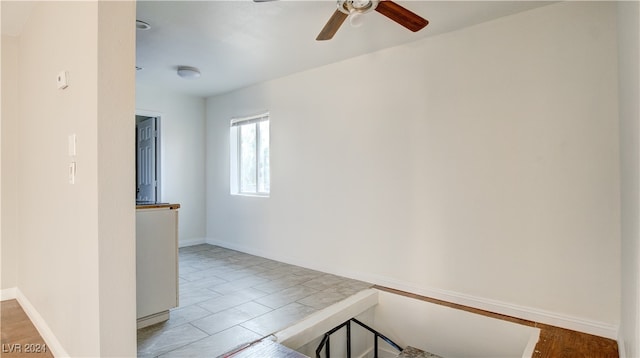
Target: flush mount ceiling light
141, 25
188, 72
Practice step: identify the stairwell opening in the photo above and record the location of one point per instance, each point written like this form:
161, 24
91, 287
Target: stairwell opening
426, 327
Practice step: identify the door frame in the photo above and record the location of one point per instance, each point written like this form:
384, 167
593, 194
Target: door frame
158, 116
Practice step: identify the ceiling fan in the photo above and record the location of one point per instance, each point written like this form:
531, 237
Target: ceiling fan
354, 9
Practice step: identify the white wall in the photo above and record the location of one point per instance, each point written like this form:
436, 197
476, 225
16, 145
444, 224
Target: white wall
116, 173
480, 166
629, 77
8, 243
74, 244
449, 332
183, 153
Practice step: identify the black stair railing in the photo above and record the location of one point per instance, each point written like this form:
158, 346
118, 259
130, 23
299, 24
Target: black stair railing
326, 340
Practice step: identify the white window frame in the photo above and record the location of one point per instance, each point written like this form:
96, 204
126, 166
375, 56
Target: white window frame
235, 154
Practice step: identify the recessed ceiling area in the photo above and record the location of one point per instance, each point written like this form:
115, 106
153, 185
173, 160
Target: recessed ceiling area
239, 43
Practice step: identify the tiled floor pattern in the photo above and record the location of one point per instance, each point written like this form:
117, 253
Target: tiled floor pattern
228, 298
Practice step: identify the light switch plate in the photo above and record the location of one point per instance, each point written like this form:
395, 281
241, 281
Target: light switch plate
72, 173
62, 80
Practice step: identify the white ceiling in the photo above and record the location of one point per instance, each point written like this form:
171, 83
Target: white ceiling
237, 43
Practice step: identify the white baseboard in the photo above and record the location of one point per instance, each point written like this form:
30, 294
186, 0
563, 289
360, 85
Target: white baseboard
191, 241
249, 250
54, 346
528, 313
212, 241
8, 294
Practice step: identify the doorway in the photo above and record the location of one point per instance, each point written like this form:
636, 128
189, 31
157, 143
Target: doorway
147, 159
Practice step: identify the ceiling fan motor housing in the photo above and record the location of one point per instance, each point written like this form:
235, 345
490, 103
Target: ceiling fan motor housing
360, 6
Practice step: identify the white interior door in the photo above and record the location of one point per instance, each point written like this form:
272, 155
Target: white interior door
146, 143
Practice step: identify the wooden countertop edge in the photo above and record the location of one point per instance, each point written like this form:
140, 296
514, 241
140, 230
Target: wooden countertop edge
158, 206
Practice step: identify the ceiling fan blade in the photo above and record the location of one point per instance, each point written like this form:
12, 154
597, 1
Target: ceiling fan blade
332, 26
401, 15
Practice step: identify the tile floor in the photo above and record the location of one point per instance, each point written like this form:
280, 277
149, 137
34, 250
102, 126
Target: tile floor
229, 298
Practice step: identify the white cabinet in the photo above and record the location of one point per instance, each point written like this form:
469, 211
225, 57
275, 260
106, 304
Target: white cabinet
156, 262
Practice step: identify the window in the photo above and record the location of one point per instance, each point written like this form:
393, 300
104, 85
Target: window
250, 155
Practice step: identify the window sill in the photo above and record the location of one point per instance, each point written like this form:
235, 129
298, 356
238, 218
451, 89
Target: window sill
251, 195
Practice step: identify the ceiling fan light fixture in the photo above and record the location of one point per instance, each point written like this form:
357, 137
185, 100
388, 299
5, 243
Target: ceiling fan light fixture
356, 19
188, 72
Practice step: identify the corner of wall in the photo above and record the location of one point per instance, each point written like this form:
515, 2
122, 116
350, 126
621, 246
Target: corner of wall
622, 352
193, 241
9, 161
8, 293
116, 175
629, 111
53, 344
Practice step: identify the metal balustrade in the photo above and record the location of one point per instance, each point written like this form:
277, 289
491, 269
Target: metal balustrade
326, 340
